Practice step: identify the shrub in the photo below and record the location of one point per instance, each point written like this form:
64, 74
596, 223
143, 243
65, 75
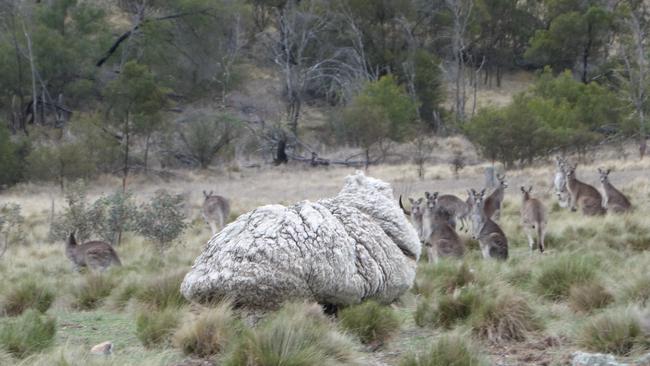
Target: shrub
613, 332
113, 215
27, 334
503, 316
76, 217
370, 321
91, 290
155, 328
208, 135
556, 276
589, 296
210, 333
443, 277
11, 171
11, 224
297, 334
162, 220
28, 294
448, 350
162, 292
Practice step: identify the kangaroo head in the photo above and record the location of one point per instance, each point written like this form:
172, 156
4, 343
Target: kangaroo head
526, 193
417, 207
502, 180
571, 170
477, 215
604, 175
432, 200
72, 241
207, 194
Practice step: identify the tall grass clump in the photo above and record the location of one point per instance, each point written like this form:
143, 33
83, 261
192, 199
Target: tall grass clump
638, 290
447, 309
122, 294
27, 334
443, 277
589, 296
90, 292
28, 294
163, 292
370, 321
155, 328
616, 331
556, 275
448, 350
298, 334
210, 333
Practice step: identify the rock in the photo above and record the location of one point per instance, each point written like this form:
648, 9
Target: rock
594, 359
339, 251
105, 348
643, 361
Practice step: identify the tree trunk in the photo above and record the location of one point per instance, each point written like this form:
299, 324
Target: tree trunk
33, 69
126, 153
585, 54
146, 153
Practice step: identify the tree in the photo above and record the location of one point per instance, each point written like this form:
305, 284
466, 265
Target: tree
205, 137
10, 163
382, 111
135, 97
162, 219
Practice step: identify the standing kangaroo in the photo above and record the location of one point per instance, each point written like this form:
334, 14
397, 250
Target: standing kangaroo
458, 209
215, 211
442, 239
583, 195
559, 181
492, 240
533, 219
492, 204
415, 214
614, 201
93, 254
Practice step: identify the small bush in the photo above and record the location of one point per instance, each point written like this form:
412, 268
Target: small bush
11, 225
448, 350
370, 321
91, 290
613, 332
298, 335
210, 333
28, 334
25, 295
162, 220
556, 276
155, 328
441, 278
76, 217
163, 292
503, 316
589, 296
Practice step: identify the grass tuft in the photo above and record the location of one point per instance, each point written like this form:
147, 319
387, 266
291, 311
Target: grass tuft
370, 321
155, 328
443, 277
27, 334
163, 292
28, 294
210, 333
556, 275
638, 290
589, 296
448, 350
616, 331
448, 309
92, 290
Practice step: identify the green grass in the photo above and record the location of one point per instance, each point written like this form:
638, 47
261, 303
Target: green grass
210, 333
589, 297
448, 350
91, 290
555, 276
443, 277
161, 292
27, 334
370, 321
448, 309
155, 328
617, 331
27, 294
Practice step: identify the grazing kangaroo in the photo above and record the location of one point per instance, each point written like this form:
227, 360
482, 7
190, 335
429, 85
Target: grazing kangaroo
458, 209
442, 240
583, 195
492, 204
215, 211
93, 254
415, 214
492, 240
533, 219
559, 181
614, 200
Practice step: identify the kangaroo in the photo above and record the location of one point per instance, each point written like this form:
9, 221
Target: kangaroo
614, 200
533, 219
458, 209
492, 204
442, 240
492, 240
93, 254
584, 195
559, 181
415, 214
215, 211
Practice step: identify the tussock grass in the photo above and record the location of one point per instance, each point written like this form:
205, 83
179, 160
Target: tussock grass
162, 292
556, 275
90, 291
210, 333
617, 331
27, 334
443, 277
122, 294
448, 350
638, 290
27, 294
448, 309
370, 321
155, 328
589, 296
298, 335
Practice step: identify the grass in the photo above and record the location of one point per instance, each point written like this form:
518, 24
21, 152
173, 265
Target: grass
91, 290
162, 292
155, 328
27, 334
557, 275
448, 350
210, 333
617, 331
370, 321
448, 309
589, 296
638, 290
27, 294
441, 278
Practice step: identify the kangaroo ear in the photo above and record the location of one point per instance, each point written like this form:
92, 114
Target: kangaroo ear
435, 195
411, 200
600, 171
530, 189
205, 194
483, 192
608, 170
427, 195
523, 190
